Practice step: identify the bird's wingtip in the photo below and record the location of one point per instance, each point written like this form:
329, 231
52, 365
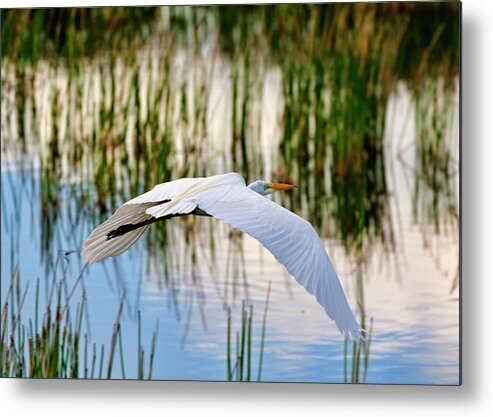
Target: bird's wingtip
86, 258
356, 334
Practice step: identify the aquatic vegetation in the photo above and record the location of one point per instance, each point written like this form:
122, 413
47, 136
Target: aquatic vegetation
99, 105
360, 357
53, 345
147, 112
239, 368
72, 33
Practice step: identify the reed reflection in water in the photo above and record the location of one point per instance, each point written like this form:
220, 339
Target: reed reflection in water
371, 145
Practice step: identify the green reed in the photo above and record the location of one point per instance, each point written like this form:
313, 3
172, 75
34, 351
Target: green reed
436, 167
243, 352
357, 357
52, 345
72, 33
240, 368
360, 350
357, 125
137, 109
339, 65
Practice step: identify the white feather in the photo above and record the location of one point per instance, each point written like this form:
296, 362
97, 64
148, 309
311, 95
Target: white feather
97, 247
291, 239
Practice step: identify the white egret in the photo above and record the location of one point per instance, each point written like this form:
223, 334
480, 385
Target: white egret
291, 239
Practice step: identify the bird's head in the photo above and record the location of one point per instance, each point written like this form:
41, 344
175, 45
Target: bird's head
265, 188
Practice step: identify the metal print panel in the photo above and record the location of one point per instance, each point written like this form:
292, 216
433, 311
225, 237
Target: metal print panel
232, 193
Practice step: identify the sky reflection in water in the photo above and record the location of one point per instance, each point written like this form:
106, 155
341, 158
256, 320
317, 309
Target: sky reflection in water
355, 104
415, 317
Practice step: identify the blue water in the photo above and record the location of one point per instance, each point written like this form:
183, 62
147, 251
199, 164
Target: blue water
415, 318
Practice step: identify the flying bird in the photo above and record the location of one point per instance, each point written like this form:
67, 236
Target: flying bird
226, 197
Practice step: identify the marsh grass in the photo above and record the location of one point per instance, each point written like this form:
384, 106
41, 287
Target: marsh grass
116, 100
72, 33
52, 344
138, 112
357, 354
339, 65
357, 358
239, 354
436, 162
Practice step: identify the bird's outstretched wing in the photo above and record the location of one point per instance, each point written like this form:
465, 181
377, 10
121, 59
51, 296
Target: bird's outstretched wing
292, 241
163, 201
98, 247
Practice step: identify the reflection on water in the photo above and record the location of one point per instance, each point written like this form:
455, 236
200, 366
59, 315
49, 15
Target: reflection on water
377, 169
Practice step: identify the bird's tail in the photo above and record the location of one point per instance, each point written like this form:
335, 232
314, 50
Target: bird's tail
99, 246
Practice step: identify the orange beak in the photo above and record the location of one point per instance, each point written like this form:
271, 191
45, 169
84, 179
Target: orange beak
279, 186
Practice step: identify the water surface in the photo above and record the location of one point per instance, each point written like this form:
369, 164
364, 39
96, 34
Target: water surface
376, 164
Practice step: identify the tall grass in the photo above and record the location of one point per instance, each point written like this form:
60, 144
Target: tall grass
116, 100
52, 344
357, 359
139, 111
436, 158
239, 353
72, 33
339, 65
